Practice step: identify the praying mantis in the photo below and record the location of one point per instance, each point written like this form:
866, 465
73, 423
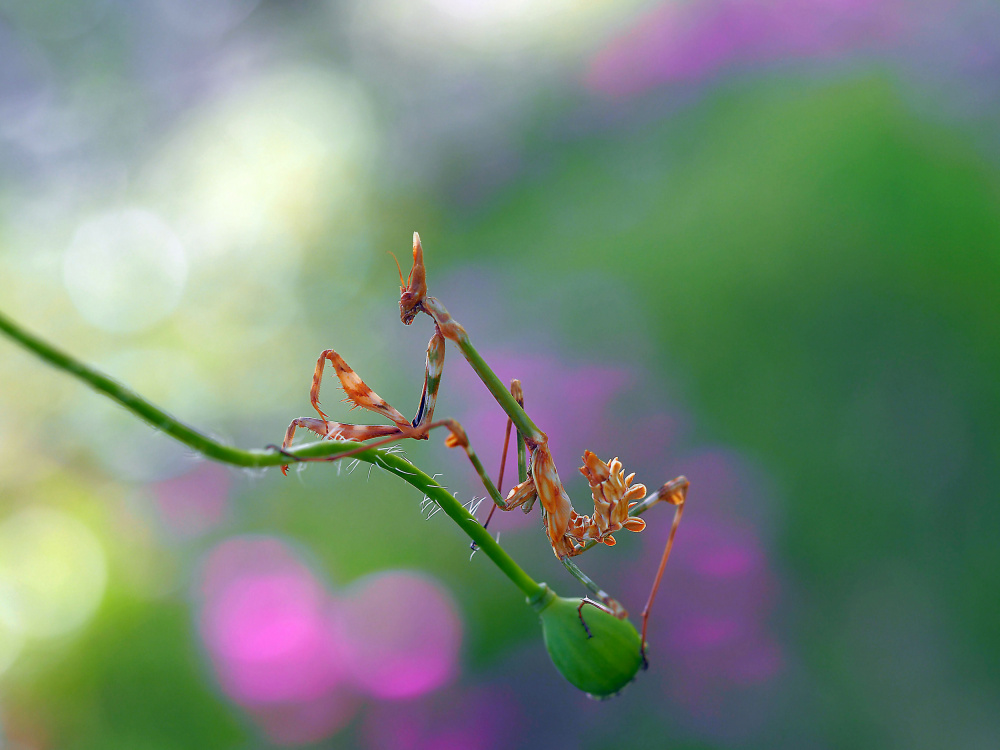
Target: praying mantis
617, 500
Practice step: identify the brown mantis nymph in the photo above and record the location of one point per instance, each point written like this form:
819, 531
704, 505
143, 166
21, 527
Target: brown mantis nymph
569, 532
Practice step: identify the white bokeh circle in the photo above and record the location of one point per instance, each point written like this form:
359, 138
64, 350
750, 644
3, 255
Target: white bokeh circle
125, 270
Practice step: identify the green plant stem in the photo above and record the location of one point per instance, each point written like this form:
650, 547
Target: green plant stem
507, 402
272, 457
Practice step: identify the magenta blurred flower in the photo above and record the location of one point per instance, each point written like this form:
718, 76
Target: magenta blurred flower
272, 639
695, 40
301, 659
473, 718
196, 502
405, 635
266, 625
711, 624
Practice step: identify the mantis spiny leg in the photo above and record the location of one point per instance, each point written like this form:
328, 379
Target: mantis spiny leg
360, 394
456, 439
335, 431
518, 394
613, 606
675, 495
503, 464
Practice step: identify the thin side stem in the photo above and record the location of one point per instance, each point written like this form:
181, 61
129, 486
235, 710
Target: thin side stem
211, 448
522, 459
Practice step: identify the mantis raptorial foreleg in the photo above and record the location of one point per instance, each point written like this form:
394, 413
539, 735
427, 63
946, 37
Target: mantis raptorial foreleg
456, 439
360, 394
337, 430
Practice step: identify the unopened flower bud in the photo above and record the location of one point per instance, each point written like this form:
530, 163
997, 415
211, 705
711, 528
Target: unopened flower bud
599, 655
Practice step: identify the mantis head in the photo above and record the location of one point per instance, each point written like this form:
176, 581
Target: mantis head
414, 290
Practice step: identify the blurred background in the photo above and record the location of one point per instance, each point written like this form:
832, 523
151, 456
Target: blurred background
756, 242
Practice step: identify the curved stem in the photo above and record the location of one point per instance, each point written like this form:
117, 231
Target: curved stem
211, 448
499, 391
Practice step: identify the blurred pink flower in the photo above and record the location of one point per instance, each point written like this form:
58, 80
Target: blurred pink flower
406, 635
473, 718
273, 640
695, 40
301, 659
196, 502
266, 625
711, 623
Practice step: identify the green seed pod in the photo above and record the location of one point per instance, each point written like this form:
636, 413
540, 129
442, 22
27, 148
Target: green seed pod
600, 655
